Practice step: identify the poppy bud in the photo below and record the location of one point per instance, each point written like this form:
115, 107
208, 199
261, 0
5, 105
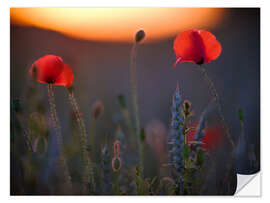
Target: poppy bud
186, 108
139, 36
97, 109
116, 161
116, 164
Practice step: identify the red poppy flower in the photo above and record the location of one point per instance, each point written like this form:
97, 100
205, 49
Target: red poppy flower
212, 139
198, 46
51, 69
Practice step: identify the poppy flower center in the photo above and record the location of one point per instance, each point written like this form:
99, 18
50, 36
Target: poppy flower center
201, 61
50, 80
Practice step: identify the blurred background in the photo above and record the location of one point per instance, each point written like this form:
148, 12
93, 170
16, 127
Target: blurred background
96, 43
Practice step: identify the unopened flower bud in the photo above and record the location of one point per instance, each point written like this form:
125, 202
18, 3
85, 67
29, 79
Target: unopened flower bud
116, 164
139, 36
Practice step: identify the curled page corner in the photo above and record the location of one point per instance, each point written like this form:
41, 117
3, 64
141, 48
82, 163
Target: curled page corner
248, 185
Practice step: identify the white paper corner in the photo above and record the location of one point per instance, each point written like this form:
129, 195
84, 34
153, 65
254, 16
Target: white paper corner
248, 185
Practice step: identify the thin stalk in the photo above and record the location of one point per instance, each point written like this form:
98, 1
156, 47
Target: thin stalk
133, 84
185, 142
215, 94
129, 125
131, 138
116, 183
89, 179
59, 138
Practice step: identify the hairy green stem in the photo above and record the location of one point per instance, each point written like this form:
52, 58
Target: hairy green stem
89, 179
59, 138
133, 84
215, 94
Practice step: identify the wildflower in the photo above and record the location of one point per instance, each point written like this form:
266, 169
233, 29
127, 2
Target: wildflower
198, 46
177, 138
51, 69
200, 133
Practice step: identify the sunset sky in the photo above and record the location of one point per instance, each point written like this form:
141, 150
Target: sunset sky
116, 24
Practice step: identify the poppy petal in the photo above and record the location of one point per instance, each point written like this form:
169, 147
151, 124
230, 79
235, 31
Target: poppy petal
189, 46
66, 78
198, 46
211, 45
46, 68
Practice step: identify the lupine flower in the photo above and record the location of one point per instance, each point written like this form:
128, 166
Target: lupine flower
199, 135
51, 69
177, 137
198, 46
106, 170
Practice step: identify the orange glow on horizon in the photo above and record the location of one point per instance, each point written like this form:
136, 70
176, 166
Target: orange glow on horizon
117, 24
